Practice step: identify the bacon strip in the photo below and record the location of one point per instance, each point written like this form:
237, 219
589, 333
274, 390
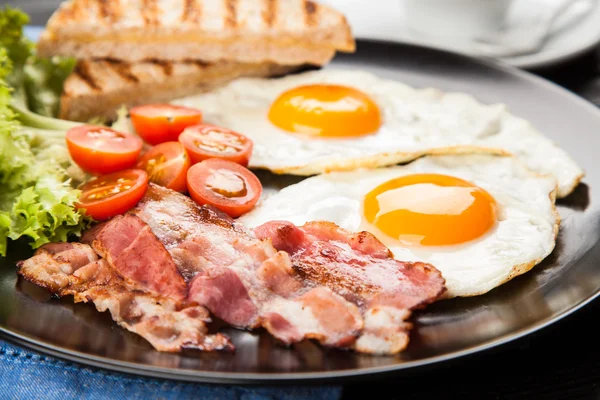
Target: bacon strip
362, 270
160, 267
318, 281
129, 245
75, 269
241, 279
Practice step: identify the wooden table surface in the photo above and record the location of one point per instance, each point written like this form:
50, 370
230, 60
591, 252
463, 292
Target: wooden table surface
559, 362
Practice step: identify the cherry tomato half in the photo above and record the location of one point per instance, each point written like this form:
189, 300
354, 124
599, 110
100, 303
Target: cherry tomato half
167, 165
158, 123
101, 150
105, 196
207, 141
224, 184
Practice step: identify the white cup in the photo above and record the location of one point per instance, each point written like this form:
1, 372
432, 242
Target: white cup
455, 18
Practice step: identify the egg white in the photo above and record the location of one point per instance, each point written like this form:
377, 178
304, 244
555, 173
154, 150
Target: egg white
523, 236
415, 122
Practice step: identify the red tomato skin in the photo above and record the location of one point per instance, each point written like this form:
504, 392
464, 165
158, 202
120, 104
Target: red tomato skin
176, 155
234, 207
158, 123
195, 133
118, 204
97, 160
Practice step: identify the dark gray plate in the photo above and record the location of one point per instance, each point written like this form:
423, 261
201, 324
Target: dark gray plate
565, 281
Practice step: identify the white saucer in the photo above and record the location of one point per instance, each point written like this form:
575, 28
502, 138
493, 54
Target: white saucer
575, 32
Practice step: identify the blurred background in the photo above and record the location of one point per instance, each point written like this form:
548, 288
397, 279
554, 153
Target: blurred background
38, 10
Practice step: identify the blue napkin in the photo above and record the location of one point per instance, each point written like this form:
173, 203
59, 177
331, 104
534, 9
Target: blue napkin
25, 374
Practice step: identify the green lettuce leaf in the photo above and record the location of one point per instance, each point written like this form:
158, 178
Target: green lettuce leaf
44, 79
17, 47
37, 82
45, 212
37, 200
123, 122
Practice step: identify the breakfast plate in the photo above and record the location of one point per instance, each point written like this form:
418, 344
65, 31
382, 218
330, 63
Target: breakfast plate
444, 331
576, 31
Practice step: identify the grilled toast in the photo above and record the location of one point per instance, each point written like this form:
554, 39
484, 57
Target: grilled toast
99, 88
286, 32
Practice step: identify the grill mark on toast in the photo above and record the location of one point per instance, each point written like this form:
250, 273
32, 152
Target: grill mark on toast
167, 67
270, 12
123, 69
310, 12
192, 11
198, 63
82, 70
150, 12
76, 11
107, 10
231, 16
68, 13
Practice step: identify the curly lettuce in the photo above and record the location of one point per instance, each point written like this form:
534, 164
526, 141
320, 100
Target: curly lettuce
37, 200
37, 82
37, 177
18, 49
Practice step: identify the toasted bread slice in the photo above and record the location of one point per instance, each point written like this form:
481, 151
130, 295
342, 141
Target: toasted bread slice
249, 31
99, 88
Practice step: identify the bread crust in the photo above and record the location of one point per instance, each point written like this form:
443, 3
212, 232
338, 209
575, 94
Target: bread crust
99, 88
286, 32
242, 52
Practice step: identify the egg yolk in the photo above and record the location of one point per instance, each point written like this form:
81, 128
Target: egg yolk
325, 110
430, 210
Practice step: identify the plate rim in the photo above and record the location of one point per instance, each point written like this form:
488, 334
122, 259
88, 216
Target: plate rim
341, 376
189, 375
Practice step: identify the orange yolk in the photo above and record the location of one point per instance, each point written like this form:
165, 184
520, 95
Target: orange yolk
430, 210
326, 110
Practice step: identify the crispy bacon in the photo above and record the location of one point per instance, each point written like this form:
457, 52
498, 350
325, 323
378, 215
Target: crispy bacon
223, 292
363, 271
286, 236
75, 269
129, 245
239, 278
160, 267
318, 281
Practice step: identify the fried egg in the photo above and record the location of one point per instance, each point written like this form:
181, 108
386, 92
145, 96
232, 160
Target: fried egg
480, 219
335, 119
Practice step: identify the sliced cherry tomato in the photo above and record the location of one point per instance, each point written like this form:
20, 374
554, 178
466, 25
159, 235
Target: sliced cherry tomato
207, 141
101, 150
224, 184
105, 196
158, 123
167, 165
